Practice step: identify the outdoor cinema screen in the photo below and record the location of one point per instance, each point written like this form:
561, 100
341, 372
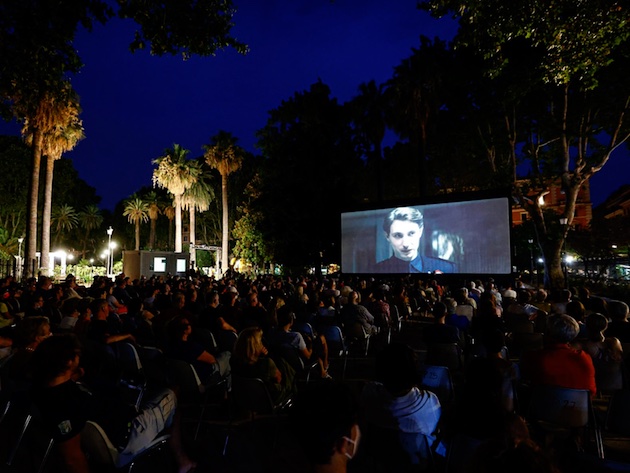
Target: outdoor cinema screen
471, 237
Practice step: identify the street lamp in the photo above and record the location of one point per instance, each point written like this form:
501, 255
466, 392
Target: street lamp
110, 259
20, 264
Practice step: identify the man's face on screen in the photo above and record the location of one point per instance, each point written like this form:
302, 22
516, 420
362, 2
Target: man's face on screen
404, 236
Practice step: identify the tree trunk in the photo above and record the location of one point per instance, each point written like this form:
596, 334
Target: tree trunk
46, 215
152, 233
138, 235
193, 236
225, 234
31, 230
178, 224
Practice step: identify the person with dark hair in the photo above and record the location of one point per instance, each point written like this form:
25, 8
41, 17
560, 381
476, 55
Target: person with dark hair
66, 406
395, 410
403, 229
439, 332
619, 327
558, 364
330, 438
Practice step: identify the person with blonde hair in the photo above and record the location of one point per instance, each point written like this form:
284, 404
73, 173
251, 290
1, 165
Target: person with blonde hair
250, 360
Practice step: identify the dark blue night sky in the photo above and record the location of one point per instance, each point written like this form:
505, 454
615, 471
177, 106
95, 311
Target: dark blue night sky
136, 105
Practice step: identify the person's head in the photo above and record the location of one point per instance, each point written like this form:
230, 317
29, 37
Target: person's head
179, 328
596, 325
439, 310
32, 331
396, 368
214, 299
100, 309
576, 310
285, 317
618, 311
493, 341
55, 356
249, 345
562, 328
524, 296
403, 229
332, 433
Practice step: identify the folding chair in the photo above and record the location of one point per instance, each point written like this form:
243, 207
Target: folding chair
336, 344
192, 392
356, 335
250, 395
446, 354
100, 450
437, 379
465, 310
132, 381
554, 409
32, 426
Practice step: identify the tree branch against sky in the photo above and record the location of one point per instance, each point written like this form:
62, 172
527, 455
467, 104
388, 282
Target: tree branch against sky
558, 97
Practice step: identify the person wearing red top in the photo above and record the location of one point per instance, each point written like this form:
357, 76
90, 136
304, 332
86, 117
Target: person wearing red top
558, 364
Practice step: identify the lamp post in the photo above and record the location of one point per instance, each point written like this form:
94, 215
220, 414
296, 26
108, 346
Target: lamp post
20, 264
110, 258
531, 259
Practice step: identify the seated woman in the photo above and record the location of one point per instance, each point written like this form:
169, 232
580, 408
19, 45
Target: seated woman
606, 352
250, 360
181, 348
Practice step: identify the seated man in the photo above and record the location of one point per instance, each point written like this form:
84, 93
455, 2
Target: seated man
558, 364
439, 332
354, 313
396, 412
66, 406
324, 421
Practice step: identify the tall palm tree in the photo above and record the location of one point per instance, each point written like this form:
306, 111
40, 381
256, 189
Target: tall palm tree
197, 197
226, 157
64, 219
41, 113
62, 138
90, 218
176, 175
153, 201
136, 211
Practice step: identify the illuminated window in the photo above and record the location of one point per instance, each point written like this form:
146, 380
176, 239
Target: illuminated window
159, 264
181, 265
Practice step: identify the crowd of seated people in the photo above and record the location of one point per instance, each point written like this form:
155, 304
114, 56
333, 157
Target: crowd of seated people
250, 316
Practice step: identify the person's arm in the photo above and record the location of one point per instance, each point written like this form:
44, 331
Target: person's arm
119, 338
206, 357
223, 325
73, 456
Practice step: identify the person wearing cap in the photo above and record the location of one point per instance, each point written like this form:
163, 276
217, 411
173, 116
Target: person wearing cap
403, 229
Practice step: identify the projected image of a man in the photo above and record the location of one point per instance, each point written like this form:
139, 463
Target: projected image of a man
403, 229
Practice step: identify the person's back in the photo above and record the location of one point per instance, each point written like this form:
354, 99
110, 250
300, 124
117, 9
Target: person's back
558, 364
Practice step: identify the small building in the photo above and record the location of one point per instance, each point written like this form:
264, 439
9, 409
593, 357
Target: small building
155, 263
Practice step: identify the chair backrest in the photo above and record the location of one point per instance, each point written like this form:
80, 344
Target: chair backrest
560, 406
127, 357
465, 310
206, 338
96, 444
334, 339
184, 375
226, 339
304, 328
252, 395
437, 379
356, 330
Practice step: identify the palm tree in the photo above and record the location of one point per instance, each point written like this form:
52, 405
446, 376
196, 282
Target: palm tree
175, 174
197, 197
153, 201
136, 211
90, 218
62, 138
223, 155
64, 219
41, 113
